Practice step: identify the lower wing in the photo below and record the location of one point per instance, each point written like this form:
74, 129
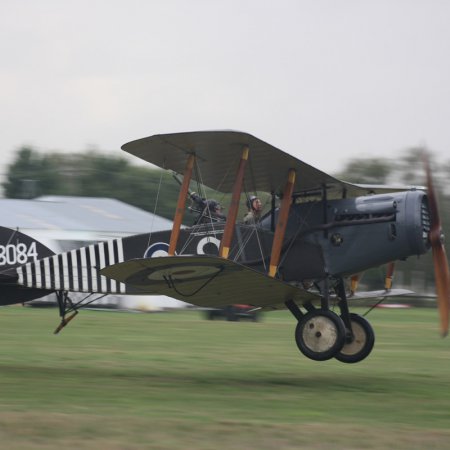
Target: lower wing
206, 281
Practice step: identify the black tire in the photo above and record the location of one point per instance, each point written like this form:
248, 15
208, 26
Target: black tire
361, 345
320, 334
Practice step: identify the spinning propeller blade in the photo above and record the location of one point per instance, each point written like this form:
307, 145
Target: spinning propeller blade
441, 269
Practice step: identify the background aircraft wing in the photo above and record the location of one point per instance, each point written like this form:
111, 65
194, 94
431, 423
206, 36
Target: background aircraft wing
381, 294
218, 154
206, 281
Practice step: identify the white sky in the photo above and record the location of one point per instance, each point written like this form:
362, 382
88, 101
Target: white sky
325, 80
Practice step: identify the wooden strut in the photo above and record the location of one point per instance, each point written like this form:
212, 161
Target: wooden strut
179, 212
389, 276
354, 283
282, 223
228, 232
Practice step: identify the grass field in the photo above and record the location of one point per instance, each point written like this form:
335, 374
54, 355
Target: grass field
173, 380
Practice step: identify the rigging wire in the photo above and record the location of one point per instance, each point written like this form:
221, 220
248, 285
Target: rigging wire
156, 204
206, 199
171, 284
202, 192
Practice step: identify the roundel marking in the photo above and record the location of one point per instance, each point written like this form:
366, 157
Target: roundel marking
206, 241
157, 249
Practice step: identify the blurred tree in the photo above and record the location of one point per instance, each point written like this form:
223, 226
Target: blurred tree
32, 174
366, 171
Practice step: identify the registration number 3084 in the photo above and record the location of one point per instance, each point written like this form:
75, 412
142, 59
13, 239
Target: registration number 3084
21, 253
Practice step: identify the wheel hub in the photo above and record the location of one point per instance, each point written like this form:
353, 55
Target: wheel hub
320, 334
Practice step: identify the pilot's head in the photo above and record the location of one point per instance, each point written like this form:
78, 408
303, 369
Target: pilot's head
215, 207
254, 203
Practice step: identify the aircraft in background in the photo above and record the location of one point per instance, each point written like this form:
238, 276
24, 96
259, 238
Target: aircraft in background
318, 233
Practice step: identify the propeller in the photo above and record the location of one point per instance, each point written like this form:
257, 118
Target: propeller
441, 270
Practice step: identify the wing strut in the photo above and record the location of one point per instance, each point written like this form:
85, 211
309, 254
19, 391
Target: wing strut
354, 283
234, 206
389, 276
179, 212
281, 223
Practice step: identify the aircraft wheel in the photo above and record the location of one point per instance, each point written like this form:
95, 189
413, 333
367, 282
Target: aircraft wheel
320, 334
362, 343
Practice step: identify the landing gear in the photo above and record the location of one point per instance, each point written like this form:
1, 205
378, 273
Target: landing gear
359, 342
320, 334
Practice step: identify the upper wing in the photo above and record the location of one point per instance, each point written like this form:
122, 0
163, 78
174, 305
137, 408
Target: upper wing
218, 154
206, 281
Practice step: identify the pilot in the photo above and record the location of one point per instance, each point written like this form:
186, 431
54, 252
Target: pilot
254, 206
215, 211
210, 210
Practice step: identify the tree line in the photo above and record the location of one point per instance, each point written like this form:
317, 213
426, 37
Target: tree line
91, 174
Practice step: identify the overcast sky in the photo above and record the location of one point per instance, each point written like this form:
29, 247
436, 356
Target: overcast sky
323, 80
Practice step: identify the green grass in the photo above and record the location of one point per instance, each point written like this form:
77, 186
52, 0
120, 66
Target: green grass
174, 380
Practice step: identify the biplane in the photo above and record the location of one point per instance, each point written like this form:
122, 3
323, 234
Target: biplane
316, 235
